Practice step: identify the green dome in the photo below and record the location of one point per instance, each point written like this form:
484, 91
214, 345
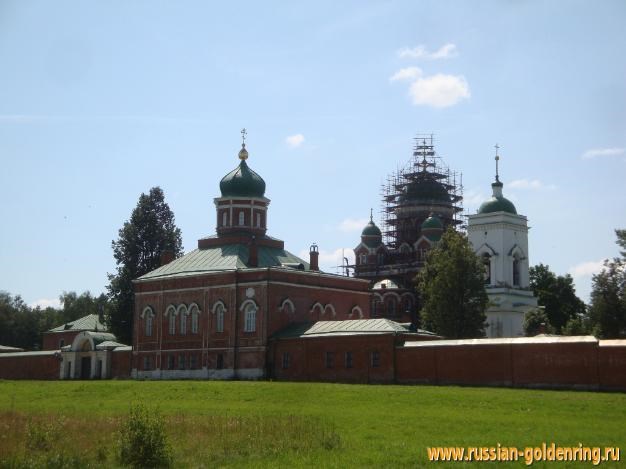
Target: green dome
242, 182
371, 230
497, 204
425, 190
433, 223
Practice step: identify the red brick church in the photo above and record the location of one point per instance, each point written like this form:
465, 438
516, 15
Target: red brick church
216, 311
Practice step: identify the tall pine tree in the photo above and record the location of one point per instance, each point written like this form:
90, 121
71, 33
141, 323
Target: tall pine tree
452, 289
149, 232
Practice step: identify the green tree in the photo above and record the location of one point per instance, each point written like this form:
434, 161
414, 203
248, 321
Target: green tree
536, 321
577, 326
608, 295
137, 251
452, 289
557, 295
75, 306
19, 324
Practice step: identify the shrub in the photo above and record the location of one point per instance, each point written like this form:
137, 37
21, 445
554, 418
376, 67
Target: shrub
142, 439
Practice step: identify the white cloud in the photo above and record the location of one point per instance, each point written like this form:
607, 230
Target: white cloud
439, 90
352, 224
586, 269
421, 52
409, 73
599, 152
582, 273
531, 184
43, 303
294, 141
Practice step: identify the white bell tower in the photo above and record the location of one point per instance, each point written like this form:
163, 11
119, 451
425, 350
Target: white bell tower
499, 237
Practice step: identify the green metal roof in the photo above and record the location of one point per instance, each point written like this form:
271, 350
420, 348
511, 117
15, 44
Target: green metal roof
347, 327
242, 182
226, 257
497, 204
86, 323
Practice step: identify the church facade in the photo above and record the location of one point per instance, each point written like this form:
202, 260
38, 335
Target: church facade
213, 312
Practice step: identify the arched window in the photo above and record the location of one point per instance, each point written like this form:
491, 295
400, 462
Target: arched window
376, 307
172, 324
287, 306
381, 258
219, 318
516, 268
258, 220
356, 312
241, 218
182, 312
148, 325
363, 258
195, 313
391, 306
250, 318
487, 265
147, 316
407, 304
224, 218
170, 312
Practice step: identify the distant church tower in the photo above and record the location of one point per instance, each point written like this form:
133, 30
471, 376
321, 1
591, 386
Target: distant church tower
500, 238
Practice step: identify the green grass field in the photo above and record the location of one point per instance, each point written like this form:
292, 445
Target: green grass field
234, 424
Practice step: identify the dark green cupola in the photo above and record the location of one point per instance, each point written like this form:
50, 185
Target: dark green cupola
242, 181
371, 235
497, 202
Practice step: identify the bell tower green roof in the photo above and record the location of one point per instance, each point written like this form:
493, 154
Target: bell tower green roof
497, 203
242, 181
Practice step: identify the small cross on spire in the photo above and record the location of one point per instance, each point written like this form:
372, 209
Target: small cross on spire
497, 147
243, 136
371, 214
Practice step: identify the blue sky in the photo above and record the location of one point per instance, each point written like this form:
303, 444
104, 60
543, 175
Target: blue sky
99, 101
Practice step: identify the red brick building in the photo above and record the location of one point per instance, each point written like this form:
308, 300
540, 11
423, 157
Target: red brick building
60, 336
211, 313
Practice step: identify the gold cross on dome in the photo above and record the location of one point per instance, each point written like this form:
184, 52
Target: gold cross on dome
497, 147
243, 135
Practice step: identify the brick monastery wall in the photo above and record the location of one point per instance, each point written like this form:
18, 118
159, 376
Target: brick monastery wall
578, 363
25, 365
121, 364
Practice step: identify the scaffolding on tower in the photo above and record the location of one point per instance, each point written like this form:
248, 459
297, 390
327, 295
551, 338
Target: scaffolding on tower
424, 186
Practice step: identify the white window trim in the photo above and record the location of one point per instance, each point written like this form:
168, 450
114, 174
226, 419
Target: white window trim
183, 312
250, 308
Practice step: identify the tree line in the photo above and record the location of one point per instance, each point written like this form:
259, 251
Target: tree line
22, 325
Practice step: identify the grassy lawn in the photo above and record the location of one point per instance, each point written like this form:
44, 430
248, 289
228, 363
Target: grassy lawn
238, 424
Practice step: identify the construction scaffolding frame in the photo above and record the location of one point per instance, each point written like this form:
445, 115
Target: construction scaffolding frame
423, 172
